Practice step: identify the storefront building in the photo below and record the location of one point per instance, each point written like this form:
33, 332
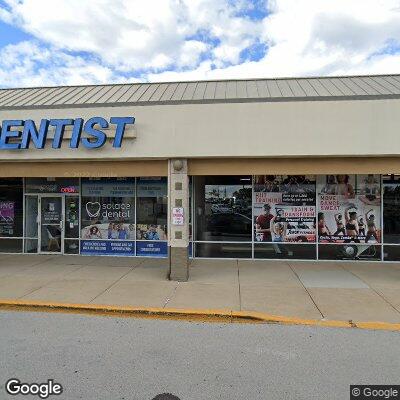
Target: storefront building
299, 169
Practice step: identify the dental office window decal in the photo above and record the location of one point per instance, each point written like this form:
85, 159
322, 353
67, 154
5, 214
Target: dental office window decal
108, 216
20, 134
151, 230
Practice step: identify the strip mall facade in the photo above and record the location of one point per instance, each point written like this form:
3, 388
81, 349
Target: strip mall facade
305, 169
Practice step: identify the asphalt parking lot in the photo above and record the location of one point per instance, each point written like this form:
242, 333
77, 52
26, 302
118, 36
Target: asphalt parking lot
96, 358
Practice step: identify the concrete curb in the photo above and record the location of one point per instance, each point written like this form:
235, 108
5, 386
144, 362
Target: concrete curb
187, 314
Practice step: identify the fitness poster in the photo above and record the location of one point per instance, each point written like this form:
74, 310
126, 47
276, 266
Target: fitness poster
349, 209
284, 208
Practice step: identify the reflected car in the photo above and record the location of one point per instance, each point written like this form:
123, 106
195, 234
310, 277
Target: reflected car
229, 224
221, 208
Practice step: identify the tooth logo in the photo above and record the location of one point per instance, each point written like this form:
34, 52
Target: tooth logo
93, 209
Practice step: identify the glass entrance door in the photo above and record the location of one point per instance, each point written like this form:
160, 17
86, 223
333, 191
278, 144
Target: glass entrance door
71, 224
51, 224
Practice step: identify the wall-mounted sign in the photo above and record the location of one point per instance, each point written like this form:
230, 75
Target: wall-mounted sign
113, 187
177, 216
108, 247
18, 134
151, 249
57, 185
109, 210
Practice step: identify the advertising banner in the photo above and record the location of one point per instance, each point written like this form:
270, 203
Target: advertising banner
119, 231
284, 208
147, 187
151, 232
106, 209
108, 247
349, 211
152, 249
112, 187
105, 215
7, 209
58, 185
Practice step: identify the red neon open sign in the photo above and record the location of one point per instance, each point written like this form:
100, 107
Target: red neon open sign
68, 189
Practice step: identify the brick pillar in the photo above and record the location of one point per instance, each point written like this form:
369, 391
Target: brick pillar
178, 230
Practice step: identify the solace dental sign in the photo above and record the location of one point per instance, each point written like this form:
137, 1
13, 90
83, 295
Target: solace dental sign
19, 134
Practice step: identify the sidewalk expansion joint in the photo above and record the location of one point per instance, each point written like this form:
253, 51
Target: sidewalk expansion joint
309, 294
168, 299
372, 288
109, 287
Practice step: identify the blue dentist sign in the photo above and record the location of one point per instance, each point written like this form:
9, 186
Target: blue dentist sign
19, 134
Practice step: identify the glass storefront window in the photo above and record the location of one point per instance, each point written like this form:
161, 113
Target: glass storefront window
223, 250
108, 216
151, 216
10, 245
349, 216
71, 232
31, 217
223, 208
52, 185
391, 208
11, 207
11, 215
190, 208
152, 209
335, 217
350, 251
191, 247
285, 251
326, 217
391, 253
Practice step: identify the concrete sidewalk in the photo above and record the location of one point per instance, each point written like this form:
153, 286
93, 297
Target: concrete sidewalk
310, 290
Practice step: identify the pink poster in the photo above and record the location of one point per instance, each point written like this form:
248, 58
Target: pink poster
6, 210
6, 218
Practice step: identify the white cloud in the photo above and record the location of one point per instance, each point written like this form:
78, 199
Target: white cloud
314, 37
29, 64
134, 34
198, 39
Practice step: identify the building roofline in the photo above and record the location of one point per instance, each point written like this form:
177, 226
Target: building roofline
363, 87
205, 80
194, 102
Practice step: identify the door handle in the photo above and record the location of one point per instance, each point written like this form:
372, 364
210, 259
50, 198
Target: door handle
61, 225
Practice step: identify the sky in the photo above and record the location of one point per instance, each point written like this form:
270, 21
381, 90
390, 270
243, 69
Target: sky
74, 42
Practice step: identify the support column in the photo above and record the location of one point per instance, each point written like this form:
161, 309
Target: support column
178, 220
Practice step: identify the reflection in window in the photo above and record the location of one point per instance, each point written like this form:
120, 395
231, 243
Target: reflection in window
223, 250
151, 206
391, 208
11, 214
11, 245
52, 185
190, 208
11, 206
285, 251
391, 253
223, 208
